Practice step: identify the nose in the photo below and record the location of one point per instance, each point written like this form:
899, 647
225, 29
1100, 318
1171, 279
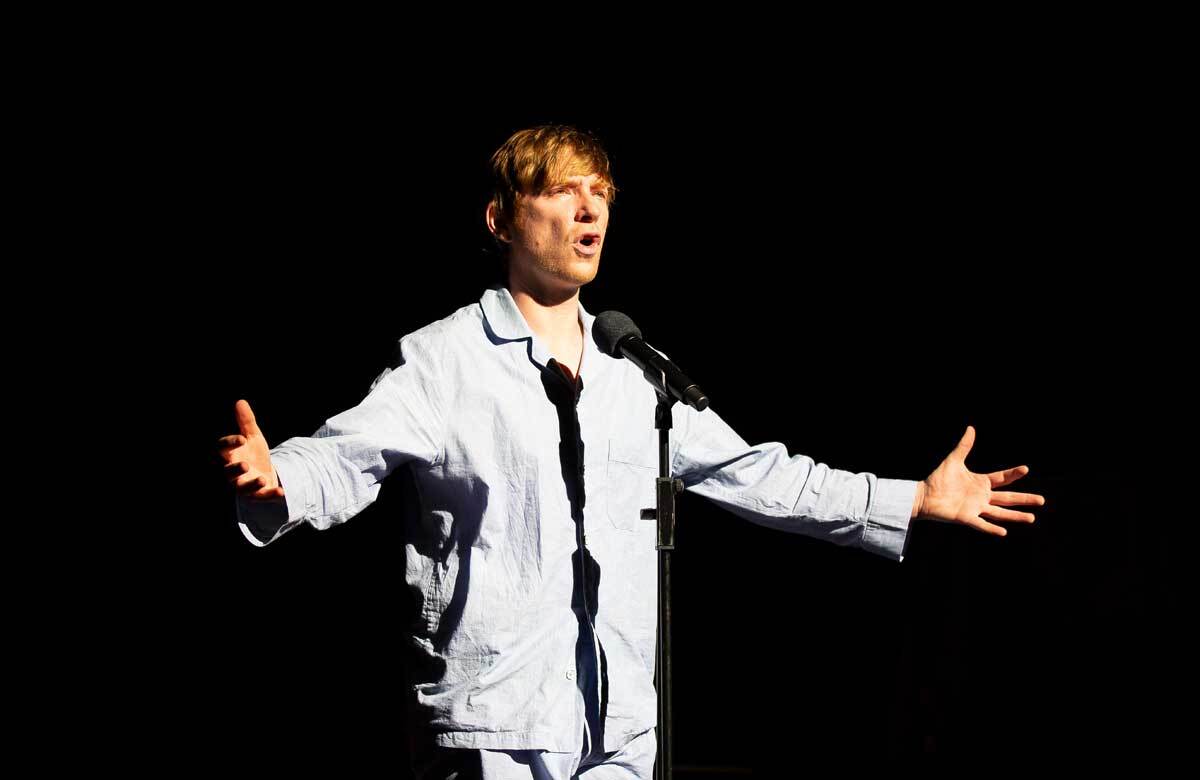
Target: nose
587, 211
589, 208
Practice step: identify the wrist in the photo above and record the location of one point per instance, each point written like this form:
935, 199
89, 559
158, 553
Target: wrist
918, 501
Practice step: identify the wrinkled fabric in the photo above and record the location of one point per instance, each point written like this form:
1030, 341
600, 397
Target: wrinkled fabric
535, 575
635, 761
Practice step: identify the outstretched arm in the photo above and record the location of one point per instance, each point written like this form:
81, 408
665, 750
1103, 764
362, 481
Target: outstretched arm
331, 476
791, 492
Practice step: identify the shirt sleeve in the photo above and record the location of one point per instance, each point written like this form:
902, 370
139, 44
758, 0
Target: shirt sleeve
763, 483
334, 474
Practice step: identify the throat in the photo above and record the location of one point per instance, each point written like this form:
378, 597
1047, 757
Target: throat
569, 363
569, 359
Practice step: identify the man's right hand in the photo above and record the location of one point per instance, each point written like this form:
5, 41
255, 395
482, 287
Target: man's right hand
247, 459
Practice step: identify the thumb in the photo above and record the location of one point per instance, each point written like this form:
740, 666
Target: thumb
964, 444
245, 419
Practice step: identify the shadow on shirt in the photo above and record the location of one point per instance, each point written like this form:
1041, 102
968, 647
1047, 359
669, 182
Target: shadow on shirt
401, 488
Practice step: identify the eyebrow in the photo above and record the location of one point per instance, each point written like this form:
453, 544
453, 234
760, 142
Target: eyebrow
577, 181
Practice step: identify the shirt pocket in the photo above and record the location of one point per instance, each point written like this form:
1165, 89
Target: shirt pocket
630, 481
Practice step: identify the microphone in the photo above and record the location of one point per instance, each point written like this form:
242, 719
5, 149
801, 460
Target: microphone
618, 337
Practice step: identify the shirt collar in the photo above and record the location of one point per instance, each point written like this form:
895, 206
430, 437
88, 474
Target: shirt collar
507, 323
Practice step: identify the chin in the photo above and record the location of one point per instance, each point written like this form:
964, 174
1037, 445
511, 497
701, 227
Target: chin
581, 270
587, 276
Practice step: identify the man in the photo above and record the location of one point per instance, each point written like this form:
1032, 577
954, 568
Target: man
532, 454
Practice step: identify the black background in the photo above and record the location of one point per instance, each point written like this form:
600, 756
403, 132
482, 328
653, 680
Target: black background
857, 260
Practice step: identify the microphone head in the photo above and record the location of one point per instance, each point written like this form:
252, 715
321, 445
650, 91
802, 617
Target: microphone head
608, 330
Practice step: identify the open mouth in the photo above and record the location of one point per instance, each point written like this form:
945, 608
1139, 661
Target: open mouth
588, 243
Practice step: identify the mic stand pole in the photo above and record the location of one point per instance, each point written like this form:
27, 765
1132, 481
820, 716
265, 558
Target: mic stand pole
664, 513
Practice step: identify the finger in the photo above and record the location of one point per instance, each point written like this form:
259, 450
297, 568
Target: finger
245, 418
267, 495
1007, 476
254, 490
1005, 498
229, 442
964, 444
988, 528
250, 482
235, 470
996, 513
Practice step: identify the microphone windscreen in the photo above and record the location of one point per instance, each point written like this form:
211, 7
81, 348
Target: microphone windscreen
609, 328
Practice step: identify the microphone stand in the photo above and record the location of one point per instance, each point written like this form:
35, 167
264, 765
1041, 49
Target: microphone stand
666, 489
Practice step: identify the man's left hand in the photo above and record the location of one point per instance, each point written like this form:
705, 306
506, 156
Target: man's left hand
954, 494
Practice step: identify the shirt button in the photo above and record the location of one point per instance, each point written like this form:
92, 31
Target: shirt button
570, 674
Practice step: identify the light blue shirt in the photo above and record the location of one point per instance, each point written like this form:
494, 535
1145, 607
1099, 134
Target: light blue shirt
489, 552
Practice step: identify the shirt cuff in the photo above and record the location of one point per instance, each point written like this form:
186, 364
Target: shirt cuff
889, 517
262, 522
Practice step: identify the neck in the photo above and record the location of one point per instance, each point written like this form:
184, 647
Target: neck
554, 317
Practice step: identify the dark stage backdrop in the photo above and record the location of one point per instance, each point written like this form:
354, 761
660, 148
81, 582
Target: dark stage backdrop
857, 273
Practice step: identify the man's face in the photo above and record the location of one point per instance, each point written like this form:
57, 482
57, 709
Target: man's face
558, 234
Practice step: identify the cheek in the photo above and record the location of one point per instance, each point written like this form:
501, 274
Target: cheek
549, 235
552, 233
546, 229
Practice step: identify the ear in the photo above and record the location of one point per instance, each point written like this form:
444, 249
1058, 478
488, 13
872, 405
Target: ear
499, 230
